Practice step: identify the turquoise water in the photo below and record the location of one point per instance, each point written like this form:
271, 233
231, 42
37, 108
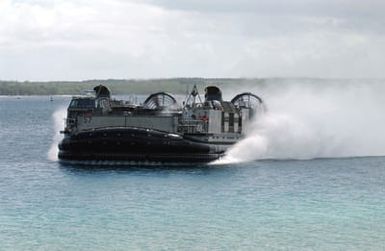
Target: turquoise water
321, 204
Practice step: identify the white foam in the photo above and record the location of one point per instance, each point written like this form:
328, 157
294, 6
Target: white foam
306, 121
58, 122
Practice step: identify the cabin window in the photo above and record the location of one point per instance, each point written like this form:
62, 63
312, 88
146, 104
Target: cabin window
223, 122
74, 103
82, 103
240, 124
231, 122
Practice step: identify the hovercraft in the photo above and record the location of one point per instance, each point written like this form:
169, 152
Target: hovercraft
101, 130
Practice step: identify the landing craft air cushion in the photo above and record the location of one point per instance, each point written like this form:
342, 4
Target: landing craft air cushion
102, 130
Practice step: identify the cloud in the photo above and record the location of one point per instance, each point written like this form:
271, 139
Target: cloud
41, 39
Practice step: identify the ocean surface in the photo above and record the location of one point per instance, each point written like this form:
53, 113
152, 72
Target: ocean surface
313, 204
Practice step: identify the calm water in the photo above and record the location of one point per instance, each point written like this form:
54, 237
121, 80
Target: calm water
326, 204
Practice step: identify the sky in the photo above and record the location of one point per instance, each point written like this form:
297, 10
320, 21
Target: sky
141, 39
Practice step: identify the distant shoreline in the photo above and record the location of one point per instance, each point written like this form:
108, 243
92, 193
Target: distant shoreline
174, 85
147, 86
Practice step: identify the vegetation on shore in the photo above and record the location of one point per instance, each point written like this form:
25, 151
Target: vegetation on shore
175, 85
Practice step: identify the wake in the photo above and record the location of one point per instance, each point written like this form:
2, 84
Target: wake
320, 119
58, 119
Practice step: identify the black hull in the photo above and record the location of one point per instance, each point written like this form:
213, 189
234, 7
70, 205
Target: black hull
133, 145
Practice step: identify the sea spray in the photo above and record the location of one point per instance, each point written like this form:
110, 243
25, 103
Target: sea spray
320, 119
58, 122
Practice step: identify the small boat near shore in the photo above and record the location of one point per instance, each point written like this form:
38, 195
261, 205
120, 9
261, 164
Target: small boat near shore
102, 130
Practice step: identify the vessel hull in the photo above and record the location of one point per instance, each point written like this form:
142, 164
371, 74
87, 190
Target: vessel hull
125, 145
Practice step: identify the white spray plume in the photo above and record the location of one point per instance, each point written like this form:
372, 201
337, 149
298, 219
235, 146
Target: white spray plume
58, 121
315, 120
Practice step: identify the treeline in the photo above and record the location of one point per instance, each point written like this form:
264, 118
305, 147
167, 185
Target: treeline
175, 85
